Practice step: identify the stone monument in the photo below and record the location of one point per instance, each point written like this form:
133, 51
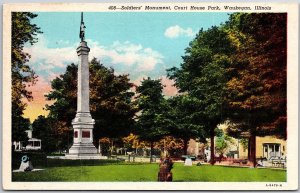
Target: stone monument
188, 162
26, 164
83, 123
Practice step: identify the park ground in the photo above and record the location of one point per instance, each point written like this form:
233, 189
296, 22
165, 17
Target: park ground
112, 171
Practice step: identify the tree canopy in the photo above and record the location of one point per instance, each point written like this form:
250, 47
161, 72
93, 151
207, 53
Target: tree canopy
151, 124
110, 101
237, 71
257, 88
256, 91
44, 129
184, 116
202, 75
23, 31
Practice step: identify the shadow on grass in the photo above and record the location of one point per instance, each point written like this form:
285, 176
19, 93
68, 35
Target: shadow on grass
40, 160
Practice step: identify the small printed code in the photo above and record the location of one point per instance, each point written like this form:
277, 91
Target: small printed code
273, 185
112, 7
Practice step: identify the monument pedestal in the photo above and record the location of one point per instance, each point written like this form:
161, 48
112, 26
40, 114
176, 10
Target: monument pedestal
83, 135
83, 151
83, 139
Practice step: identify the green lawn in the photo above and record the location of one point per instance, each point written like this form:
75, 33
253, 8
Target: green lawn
148, 172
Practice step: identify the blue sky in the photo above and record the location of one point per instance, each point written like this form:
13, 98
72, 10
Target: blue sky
143, 32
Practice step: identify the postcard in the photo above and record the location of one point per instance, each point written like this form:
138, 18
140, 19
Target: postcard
150, 96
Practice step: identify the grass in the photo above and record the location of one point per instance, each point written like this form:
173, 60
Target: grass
39, 160
145, 172
209, 173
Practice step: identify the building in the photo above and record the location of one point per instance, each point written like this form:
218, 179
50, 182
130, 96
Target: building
266, 147
31, 144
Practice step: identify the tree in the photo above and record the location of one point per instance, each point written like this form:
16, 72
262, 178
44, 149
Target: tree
20, 125
151, 124
170, 146
184, 116
110, 102
223, 142
23, 31
130, 141
256, 91
43, 129
203, 75
63, 110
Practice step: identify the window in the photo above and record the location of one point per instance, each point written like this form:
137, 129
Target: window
85, 134
271, 150
75, 134
36, 143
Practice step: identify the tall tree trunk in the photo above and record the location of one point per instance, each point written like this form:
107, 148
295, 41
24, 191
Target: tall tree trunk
212, 146
99, 148
165, 150
151, 151
253, 150
112, 146
185, 146
249, 151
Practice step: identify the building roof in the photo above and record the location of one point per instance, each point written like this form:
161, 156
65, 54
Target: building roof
34, 139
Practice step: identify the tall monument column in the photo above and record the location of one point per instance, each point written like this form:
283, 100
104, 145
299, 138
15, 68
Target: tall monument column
83, 123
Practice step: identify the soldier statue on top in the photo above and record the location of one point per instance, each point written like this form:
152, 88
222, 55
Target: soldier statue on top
82, 27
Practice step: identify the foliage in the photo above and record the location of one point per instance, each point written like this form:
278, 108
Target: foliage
223, 142
171, 145
19, 126
23, 31
244, 143
110, 101
63, 110
150, 123
256, 91
238, 71
64, 93
184, 116
202, 76
257, 88
131, 141
45, 129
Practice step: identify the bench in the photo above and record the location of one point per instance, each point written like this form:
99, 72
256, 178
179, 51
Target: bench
280, 163
188, 156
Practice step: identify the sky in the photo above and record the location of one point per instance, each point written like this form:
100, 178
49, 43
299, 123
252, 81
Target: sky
141, 44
